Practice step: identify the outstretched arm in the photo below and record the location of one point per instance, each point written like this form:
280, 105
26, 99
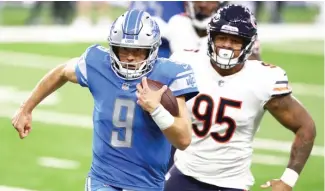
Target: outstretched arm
53, 80
22, 120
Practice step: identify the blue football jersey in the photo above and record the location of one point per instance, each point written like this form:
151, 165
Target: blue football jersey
164, 10
129, 149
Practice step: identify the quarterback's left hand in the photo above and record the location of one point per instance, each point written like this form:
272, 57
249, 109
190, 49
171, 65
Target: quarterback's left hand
276, 185
149, 99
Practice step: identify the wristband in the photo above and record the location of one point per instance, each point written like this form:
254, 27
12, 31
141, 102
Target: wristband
162, 117
290, 177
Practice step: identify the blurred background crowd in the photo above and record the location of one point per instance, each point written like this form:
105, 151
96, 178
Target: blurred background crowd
83, 13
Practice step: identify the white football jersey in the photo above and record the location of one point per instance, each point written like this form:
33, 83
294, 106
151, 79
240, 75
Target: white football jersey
182, 35
226, 115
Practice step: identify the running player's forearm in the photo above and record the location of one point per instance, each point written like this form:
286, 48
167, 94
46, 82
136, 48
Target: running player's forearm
302, 147
48, 84
291, 114
179, 133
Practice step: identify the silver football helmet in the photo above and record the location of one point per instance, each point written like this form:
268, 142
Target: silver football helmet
134, 29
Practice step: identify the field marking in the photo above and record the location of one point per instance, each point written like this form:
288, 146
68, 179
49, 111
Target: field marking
304, 89
269, 160
9, 188
27, 60
58, 34
11, 94
85, 121
52, 162
314, 48
282, 146
51, 117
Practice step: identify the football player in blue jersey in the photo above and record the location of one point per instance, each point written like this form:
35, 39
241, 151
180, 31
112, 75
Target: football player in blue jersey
132, 130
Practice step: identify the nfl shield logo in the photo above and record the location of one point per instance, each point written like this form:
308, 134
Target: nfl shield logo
125, 86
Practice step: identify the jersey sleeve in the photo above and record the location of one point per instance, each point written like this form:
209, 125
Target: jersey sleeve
184, 83
81, 68
277, 84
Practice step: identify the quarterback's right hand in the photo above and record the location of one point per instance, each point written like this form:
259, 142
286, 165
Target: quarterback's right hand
22, 122
149, 99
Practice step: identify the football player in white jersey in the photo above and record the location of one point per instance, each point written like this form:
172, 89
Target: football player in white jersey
234, 95
188, 30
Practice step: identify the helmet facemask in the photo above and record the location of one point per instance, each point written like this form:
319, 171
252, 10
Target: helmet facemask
126, 70
224, 58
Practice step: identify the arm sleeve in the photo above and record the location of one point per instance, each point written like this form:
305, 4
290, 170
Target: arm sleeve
184, 82
277, 84
81, 68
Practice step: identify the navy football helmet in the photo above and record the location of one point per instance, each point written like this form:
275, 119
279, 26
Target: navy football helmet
235, 20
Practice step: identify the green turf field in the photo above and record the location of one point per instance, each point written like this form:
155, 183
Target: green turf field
61, 127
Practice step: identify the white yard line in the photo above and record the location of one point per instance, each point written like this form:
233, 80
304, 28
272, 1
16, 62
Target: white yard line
12, 94
57, 34
27, 60
269, 160
314, 48
282, 146
9, 188
52, 162
304, 89
51, 117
